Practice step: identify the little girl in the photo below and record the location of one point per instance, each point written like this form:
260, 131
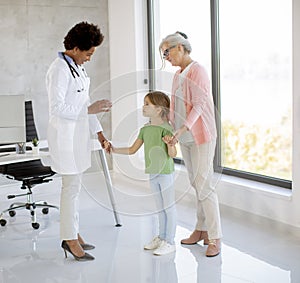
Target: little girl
160, 165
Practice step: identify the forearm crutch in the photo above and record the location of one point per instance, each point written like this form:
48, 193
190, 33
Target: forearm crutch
109, 185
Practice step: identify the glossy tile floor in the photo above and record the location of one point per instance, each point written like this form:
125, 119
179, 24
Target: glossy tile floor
253, 249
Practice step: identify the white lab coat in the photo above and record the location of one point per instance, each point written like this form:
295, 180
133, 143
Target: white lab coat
69, 125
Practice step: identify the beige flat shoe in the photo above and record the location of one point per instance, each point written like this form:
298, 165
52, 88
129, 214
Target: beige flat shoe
214, 248
196, 237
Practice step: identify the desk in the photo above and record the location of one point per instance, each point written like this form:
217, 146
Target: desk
13, 157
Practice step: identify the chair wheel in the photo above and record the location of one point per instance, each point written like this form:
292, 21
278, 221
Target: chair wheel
2, 222
12, 213
35, 225
45, 210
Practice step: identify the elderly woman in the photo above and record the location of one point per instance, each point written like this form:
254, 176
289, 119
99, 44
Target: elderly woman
192, 115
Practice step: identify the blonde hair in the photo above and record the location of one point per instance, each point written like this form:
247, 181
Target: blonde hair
160, 99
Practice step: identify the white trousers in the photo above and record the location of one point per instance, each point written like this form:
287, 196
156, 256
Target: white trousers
198, 160
69, 199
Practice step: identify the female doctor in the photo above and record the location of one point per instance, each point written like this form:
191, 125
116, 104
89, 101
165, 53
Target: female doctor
71, 121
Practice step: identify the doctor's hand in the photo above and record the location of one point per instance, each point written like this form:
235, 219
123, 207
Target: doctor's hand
104, 142
98, 106
108, 146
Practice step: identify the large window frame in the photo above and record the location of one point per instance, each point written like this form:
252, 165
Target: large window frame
215, 80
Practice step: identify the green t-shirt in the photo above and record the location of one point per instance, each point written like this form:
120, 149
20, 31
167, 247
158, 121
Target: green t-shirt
157, 160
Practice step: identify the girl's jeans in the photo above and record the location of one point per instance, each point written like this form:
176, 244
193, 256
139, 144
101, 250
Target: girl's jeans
162, 186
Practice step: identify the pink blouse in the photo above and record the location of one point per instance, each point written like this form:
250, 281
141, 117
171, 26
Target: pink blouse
198, 102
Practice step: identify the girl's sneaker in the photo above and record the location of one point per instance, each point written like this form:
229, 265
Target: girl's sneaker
154, 244
164, 248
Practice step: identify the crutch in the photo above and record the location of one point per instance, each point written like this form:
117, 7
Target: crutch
109, 185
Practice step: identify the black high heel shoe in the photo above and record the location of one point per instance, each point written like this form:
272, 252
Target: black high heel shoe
85, 257
84, 246
87, 247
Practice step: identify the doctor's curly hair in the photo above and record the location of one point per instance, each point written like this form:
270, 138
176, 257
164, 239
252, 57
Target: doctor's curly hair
84, 36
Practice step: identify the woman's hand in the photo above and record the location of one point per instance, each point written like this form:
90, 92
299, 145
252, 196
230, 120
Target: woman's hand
174, 139
167, 139
98, 106
178, 133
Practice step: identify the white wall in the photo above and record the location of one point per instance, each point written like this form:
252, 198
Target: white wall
268, 201
295, 210
128, 63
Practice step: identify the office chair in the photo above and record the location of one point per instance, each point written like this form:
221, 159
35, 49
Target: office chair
30, 173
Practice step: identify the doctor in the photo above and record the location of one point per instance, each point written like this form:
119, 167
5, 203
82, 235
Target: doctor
71, 121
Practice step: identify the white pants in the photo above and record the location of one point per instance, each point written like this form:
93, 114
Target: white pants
69, 216
198, 160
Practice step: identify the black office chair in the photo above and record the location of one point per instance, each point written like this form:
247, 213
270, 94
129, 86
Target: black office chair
30, 173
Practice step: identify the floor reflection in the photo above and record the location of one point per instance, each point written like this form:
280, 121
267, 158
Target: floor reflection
253, 250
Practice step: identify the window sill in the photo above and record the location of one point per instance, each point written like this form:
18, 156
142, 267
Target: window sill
231, 182
258, 187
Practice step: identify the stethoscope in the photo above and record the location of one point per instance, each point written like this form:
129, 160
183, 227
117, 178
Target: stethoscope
72, 69
74, 72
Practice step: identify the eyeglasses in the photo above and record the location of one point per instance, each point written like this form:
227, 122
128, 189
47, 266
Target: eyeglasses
167, 51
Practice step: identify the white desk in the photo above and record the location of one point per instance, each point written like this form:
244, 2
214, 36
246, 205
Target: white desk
13, 157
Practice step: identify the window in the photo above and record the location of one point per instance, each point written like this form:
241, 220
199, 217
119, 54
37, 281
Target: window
171, 16
248, 53
256, 86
